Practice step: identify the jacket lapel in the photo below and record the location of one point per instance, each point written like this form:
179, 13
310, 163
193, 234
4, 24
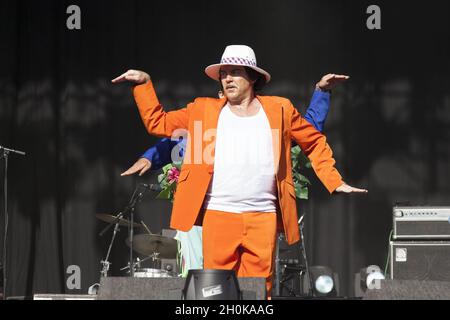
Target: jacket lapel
211, 112
274, 113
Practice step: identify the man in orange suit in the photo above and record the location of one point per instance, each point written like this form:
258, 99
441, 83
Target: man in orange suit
236, 177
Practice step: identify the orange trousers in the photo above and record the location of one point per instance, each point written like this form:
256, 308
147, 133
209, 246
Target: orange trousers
243, 242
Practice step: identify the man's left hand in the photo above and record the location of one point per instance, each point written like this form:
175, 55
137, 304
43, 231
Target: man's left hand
345, 188
329, 81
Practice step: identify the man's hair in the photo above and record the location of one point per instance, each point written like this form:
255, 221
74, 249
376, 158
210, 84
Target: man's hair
260, 80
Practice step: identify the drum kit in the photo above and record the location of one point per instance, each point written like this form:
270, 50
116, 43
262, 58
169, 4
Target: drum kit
152, 246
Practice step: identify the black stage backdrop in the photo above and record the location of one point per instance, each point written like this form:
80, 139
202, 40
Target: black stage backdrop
389, 125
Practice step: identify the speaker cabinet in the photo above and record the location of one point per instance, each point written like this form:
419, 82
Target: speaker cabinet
128, 288
410, 290
64, 297
420, 260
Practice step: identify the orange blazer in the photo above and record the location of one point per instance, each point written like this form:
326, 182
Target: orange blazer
200, 118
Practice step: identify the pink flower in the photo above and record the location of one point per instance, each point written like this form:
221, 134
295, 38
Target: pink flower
173, 174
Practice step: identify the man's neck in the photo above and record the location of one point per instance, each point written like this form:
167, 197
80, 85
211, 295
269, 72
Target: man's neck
246, 107
242, 103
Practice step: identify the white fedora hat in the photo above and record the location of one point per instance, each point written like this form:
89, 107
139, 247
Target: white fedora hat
236, 55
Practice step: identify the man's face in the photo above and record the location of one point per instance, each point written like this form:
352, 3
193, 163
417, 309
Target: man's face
235, 82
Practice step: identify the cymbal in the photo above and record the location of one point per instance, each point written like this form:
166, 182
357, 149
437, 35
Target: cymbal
148, 244
110, 218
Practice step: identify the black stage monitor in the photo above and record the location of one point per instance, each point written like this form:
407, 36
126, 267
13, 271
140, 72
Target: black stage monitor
210, 284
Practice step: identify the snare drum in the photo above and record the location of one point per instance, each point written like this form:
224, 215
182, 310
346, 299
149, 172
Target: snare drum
152, 273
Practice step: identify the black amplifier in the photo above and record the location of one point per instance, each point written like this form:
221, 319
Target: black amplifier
430, 223
420, 260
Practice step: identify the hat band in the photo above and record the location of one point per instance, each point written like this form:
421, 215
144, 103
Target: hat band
237, 60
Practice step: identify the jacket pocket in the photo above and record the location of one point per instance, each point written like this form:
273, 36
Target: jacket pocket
289, 187
183, 175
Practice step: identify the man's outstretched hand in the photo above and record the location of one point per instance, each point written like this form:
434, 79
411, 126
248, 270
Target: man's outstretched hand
141, 165
329, 81
136, 76
345, 188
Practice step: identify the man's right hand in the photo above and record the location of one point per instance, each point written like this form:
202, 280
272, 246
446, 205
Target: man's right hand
136, 76
142, 164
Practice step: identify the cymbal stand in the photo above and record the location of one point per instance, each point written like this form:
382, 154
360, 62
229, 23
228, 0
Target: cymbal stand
303, 252
135, 199
105, 263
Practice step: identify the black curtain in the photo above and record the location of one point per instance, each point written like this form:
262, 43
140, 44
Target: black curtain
388, 125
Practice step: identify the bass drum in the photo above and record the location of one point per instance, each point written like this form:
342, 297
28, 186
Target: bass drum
152, 273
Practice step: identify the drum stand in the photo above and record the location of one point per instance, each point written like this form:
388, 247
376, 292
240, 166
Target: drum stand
153, 256
135, 198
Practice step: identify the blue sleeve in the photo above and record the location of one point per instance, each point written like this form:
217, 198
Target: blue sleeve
160, 154
317, 111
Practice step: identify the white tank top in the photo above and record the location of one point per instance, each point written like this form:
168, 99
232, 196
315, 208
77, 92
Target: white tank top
244, 174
